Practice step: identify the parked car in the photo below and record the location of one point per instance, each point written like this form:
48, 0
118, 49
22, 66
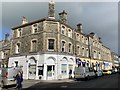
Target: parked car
8, 76
107, 72
84, 73
99, 73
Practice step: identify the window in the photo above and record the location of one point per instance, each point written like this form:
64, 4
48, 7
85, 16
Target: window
86, 41
63, 30
95, 54
18, 48
69, 47
51, 44
34, 28
63, 46
99, 55
2, 55
63, 69
87, 53
34, 45
16, 63
82, 51
77, 37
19, 32
70, 33
78, 50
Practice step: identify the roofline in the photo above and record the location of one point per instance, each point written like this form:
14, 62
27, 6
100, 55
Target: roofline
36, 21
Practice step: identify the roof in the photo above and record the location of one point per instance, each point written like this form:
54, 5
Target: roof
40, 20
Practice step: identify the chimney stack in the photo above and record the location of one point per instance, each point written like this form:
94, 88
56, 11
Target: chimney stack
63, 16
79, 27
24, 20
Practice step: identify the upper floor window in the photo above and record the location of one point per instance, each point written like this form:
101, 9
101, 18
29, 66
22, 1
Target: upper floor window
78, 37
70, 33
69, 47
17, 48
19, 32
63, 46
82, 38
87, 52
35, 28
2, 55
78, 50
95, 54
51, 44
63, 30
86, 41
83, 53
99, 56
34, 45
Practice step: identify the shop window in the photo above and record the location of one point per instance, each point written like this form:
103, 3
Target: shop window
64, 69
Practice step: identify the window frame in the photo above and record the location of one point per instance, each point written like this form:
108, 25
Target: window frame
52, 46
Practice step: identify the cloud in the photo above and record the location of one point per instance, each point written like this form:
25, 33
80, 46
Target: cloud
99, 17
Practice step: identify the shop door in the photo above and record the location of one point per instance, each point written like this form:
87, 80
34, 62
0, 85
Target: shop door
50, 72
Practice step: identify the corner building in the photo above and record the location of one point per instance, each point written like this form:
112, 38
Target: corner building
48, 48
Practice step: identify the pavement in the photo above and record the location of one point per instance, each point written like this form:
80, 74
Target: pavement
28, 83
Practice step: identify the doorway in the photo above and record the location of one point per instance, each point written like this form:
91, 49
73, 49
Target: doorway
50, 72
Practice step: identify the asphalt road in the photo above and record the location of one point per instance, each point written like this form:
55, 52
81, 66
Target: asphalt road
109, 81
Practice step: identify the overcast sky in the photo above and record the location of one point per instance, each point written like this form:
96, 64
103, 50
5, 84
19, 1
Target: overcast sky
98, 17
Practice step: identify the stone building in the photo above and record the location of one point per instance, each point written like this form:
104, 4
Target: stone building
115, 59
48, 48
5, 51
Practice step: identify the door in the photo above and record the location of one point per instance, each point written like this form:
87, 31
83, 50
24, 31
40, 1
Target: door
50, 72
32, 72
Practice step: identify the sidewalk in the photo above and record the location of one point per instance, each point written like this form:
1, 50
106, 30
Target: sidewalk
28, 83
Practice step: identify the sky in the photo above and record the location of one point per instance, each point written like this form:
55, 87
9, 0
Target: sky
96, 16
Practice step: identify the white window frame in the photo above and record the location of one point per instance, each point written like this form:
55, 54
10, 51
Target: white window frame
63, 30
69, 33
19, 32
78, 50
87, 52
63, 46
70, 48
48, 44
32, 45
83, 51
34, 27
17, 49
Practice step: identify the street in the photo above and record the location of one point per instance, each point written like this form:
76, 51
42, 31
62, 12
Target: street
108, 81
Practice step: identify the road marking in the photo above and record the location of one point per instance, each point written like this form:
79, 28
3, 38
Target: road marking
64, 86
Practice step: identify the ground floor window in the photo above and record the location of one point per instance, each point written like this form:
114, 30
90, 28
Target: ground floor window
64, 69
50, 70
32, 70
40, 70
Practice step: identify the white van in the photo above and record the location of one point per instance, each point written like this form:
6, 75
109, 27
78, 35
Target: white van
8, 75
83, 73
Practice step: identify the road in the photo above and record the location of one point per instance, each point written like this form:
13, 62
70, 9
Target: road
108, 81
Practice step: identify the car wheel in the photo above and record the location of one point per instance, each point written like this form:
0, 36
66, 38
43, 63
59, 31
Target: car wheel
88, 77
